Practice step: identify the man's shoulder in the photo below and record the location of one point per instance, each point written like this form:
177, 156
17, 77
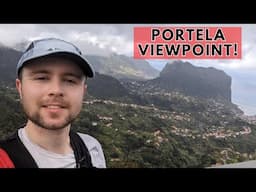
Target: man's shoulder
89, 140
95, 149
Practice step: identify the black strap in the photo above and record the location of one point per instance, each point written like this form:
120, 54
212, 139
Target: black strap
82, 155
18, 152
23, 159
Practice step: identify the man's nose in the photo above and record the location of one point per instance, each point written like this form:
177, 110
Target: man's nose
55, 88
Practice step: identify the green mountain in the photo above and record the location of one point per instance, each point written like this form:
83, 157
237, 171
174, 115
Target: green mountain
8, 61
196, 133
193, 81
106, 87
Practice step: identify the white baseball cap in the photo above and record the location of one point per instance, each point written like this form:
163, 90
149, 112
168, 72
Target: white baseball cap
53, 46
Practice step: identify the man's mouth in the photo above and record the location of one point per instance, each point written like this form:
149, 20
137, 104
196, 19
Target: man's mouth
54, 106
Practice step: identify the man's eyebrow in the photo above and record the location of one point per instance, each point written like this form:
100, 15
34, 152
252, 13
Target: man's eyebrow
76, 75
39, 71
67, 74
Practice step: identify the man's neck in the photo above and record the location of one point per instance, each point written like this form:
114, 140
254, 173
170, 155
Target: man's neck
56, 141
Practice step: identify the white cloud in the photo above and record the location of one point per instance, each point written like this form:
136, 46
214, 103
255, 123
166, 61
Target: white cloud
92, 39
12, 34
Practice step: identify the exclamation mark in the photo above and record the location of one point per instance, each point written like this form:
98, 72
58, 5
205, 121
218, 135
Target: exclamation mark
235, 49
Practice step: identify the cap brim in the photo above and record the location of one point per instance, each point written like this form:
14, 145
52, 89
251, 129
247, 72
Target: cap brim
82, 62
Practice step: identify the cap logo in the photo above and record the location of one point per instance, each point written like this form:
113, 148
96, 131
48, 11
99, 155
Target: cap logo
52, 49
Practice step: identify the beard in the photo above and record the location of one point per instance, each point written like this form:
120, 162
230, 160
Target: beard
38, 119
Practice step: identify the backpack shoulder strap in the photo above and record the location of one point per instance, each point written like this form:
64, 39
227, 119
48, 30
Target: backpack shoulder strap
17, 152
82, 155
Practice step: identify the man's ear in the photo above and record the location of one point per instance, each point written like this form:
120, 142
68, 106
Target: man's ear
85, 89
18, 87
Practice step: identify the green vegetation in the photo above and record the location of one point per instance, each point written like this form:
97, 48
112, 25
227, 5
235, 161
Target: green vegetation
195, 133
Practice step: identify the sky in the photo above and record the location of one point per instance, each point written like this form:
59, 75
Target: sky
104, 39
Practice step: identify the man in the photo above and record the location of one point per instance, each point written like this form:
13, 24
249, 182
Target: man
51, 81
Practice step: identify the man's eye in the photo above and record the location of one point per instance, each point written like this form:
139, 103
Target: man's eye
70, 81
41, 78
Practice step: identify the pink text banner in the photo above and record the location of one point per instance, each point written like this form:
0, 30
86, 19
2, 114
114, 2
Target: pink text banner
187, 42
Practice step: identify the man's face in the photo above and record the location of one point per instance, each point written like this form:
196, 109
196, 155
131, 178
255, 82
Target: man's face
51, 92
